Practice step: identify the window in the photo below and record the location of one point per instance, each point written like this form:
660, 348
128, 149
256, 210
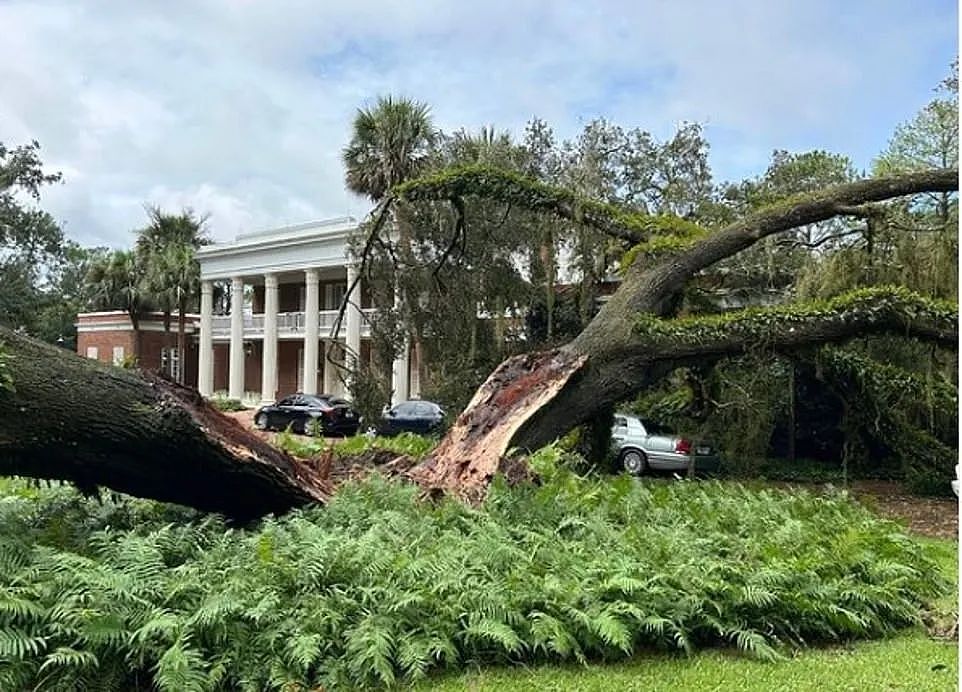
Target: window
92, 352
118, 355
170, 362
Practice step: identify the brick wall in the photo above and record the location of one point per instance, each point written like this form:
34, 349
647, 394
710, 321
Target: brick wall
105, 342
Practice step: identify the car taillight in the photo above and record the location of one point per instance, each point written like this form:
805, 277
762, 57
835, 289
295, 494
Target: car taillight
683, 446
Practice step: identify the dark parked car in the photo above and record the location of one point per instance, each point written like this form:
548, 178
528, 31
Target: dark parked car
309, 414
421, 417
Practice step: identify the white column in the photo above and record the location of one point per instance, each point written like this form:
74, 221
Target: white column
399, 368
269, 363
353, 319
331, 379
311, 316
205, 354
236, 370
399, 375
415, 369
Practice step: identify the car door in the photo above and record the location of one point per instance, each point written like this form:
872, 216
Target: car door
422, 419
403, 418
660, 448
280, 415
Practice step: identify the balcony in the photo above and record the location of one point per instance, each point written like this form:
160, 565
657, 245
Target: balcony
289, 325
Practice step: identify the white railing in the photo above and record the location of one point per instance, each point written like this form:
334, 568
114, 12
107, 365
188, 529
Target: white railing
288, 324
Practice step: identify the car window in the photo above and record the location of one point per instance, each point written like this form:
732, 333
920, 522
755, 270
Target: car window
339, 402
406, 409
287, 401
659, 429
423, 409
621, 422
314, 402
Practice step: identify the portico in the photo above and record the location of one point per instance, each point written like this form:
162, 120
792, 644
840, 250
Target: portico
286, 289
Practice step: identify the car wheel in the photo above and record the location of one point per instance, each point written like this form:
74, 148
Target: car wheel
634, 462
307, 427
260, 421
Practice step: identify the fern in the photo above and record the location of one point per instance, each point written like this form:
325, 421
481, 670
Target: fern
378, 587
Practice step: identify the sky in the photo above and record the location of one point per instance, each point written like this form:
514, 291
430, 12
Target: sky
239, 109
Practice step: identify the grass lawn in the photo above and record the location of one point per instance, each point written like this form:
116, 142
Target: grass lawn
911, 661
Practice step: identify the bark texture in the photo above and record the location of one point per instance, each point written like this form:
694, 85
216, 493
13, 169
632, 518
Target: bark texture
613, 360
481, 435
75, 419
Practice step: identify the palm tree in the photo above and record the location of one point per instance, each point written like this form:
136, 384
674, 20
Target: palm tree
167, 248
390, 143
115, 282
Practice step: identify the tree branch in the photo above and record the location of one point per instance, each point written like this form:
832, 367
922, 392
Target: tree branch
668, 277
788, 327
515, 189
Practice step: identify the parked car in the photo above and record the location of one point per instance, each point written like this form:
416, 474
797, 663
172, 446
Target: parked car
640, 447
421, 417
309, 414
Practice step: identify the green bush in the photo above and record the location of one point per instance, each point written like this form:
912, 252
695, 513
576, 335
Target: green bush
379, 587
224, 404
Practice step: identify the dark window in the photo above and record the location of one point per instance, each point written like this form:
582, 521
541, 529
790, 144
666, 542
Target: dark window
286, 401
621, 422
406, 409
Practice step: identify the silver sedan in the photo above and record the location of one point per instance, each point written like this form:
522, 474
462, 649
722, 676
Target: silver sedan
640, 449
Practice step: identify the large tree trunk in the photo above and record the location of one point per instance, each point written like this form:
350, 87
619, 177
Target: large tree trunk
75, 419
609, 361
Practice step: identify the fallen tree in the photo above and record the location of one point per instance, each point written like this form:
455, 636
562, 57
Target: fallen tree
618, 354
69, 418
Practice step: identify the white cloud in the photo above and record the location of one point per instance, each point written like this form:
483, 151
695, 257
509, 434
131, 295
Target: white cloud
240, 108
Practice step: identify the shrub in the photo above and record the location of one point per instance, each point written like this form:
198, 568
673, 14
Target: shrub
379, 587
225, 404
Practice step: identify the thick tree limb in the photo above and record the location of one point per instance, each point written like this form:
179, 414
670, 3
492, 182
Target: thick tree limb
578, 385
786, 327
655, 285
517, 190
75, 419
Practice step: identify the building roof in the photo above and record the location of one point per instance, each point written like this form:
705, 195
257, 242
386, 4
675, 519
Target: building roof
315, 244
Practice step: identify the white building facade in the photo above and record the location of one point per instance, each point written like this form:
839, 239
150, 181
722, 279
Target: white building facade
287, 286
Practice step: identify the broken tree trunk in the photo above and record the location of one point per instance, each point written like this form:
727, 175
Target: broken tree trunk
613, 359
70, 418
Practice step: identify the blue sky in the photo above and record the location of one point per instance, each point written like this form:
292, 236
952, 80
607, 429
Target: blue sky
240, 108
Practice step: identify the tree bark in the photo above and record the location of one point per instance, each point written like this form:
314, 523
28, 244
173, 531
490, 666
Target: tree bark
75, 419
609, 361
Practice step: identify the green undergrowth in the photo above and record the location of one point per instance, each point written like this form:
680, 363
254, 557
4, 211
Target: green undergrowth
226, 404
379, 587
409, 444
